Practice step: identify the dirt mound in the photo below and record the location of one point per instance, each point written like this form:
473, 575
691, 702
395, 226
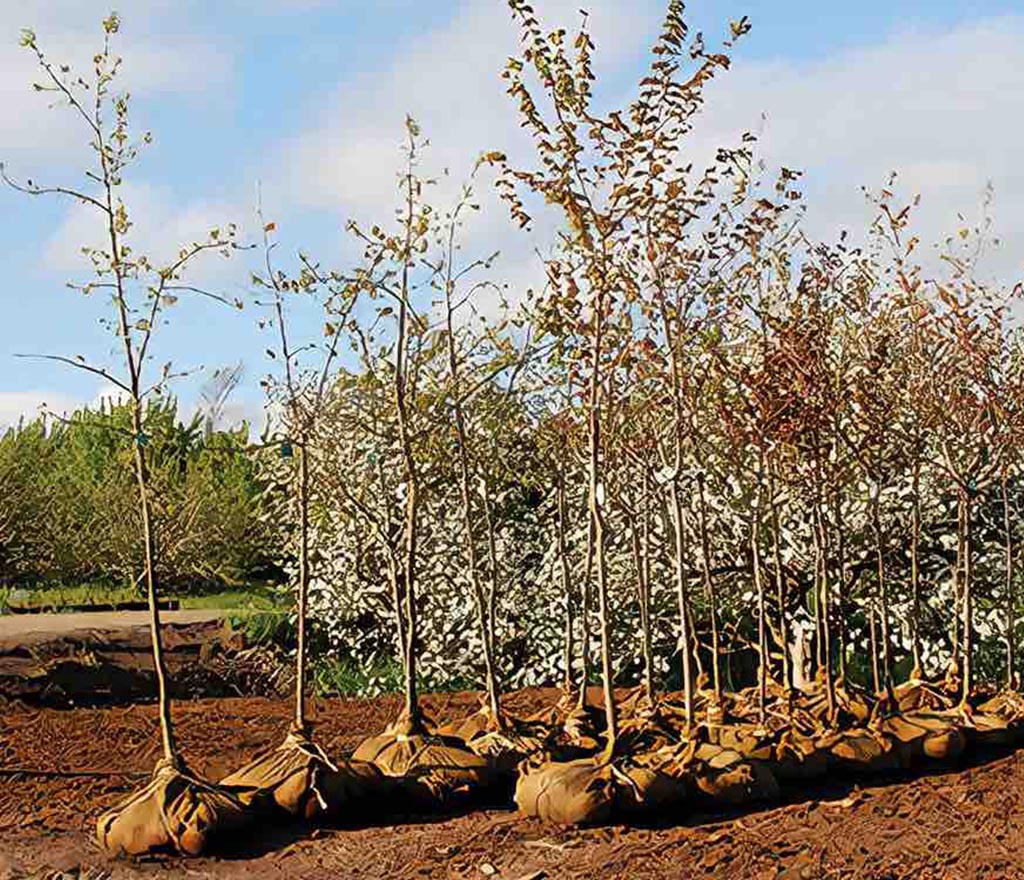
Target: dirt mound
115, 668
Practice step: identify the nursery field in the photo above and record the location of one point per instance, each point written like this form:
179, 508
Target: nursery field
965, 821
766, 489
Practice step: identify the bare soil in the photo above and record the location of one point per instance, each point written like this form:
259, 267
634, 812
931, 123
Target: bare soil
961, 822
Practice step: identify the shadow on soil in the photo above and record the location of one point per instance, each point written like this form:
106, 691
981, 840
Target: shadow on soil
826, 789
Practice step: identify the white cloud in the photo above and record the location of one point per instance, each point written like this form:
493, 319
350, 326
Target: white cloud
449, 80
157, 59
28, 405
941, 107
160, 227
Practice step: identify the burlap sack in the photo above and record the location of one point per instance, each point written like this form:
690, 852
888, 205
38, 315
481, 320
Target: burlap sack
466, 728
647, 789
991, 730
505, 749
646, 733
724, 776
578, 792
434, 768
921, 736
919, 694
751, 742
298, 778
1007, 705
173, 812
851, 704
859, 752
798, 758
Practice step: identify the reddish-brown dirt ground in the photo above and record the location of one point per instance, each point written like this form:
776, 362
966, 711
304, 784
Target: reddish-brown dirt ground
964, 822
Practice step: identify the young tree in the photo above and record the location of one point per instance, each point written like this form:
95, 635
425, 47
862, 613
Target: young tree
608, 173
140, 294
298, 776
972, 403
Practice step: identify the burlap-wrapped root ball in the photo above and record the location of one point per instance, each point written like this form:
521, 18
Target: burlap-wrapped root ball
921, 736
861, 752
298, 778
1000, 720
798, 758
433, 769
590, 791
578, 792
725, 777
505, 748
173, 812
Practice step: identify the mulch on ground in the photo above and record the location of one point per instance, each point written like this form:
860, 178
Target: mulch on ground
965, 822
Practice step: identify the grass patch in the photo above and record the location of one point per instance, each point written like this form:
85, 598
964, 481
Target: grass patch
250, 598
343, 678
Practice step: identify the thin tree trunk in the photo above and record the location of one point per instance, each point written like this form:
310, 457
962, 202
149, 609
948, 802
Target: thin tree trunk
303, 597
566, 572
709, 588
679, 529
915, 571
170, 748
968, 605
762, 634
1011, 622
412, 710
780, 581
640, 542
135, 367
883, 603
819, 628
587, 613
490, 596
876, 676
958, 582
841, 632
830, 687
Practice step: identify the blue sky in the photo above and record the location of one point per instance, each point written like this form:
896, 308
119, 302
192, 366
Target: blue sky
307, 99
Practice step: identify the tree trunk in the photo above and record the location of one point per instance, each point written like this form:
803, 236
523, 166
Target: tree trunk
876, 676
587, 614
412, 710
780, 581
709, 588
841, 632
915, 570
883, 603
640, 542
968, 604
566, 572
596, 489
170, 748
958, 583
826, 628
1011, 622
762, 634
303, 597
679, 529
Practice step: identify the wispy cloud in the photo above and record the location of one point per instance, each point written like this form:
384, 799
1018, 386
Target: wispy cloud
157, 60
27, 405
941, 107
